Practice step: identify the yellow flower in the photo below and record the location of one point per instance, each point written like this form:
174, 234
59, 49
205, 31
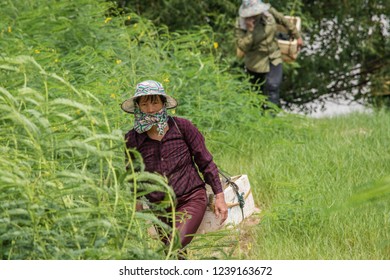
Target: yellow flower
9, 29
37, 51
56, 60
113, 96
107, 20
166, 80
128, 18
215, 45
118, 61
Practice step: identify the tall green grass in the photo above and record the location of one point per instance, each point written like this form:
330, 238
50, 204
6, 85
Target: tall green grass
64, 189
322, 184
65, 192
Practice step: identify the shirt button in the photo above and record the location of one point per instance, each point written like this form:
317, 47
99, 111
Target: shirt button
162, 159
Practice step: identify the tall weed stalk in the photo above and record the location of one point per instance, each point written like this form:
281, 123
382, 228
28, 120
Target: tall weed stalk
65, 191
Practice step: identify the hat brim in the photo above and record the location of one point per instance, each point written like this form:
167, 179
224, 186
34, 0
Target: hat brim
128, 105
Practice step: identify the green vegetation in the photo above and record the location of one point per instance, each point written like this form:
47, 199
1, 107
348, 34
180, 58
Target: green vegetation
323, 185
347, 43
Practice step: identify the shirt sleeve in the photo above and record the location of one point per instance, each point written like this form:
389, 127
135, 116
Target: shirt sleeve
280, 19
244, 38
201, 156
133, 160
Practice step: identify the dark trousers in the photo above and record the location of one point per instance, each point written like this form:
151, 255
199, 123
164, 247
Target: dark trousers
268, 83
190, 209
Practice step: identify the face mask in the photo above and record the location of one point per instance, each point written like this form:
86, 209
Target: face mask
143, 121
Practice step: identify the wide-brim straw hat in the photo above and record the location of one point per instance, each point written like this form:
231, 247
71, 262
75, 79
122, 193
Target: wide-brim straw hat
144, 88
250, 8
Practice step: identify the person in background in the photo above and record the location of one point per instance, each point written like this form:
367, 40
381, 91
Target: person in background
256, 40
174, 148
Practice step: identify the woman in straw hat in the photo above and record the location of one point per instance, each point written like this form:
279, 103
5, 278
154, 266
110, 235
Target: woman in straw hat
174, 148
256, 40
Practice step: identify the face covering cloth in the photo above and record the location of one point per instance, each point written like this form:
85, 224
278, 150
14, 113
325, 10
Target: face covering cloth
143, 121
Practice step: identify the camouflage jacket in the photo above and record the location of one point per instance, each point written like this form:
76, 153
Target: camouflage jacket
261, 45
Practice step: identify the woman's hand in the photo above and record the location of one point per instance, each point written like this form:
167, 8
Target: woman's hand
139, 206
221, 210
250, 23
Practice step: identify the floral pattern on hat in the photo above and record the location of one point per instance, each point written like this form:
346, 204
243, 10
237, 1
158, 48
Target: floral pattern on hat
148, 87
251, 8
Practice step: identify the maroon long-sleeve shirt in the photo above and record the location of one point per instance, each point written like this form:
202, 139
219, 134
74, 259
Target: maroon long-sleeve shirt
174, 157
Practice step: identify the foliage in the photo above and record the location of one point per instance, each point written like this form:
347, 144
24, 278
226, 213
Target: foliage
346, 53
322, 186
180, 15
65, 67
183, 16
64, 189
63, 77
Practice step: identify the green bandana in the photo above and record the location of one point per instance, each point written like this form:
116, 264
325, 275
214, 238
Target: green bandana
143, 121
